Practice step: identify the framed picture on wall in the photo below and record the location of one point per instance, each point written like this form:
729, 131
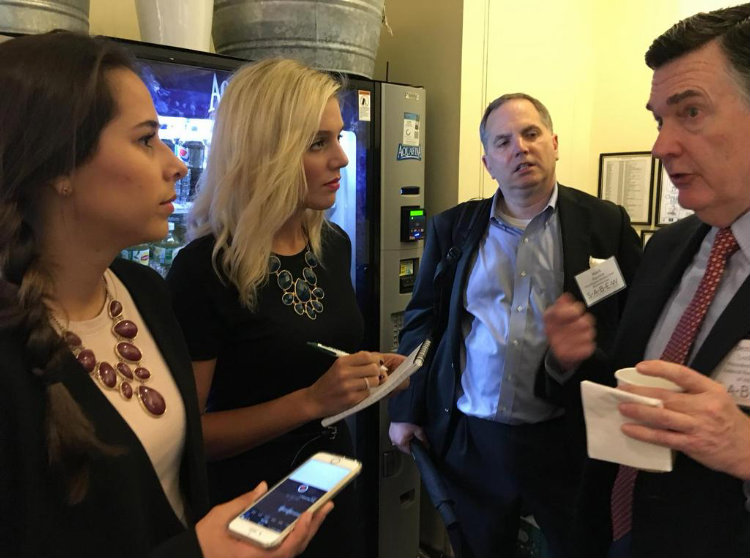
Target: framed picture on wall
668, 209
646, 235
627, 179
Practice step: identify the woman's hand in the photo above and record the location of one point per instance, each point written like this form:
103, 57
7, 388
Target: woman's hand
344, 384
392, 361
215, 540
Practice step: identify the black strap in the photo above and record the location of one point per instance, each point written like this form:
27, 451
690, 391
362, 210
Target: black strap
437, 491
446, 269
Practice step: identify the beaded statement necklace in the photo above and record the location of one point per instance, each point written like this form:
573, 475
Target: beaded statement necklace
128, 368
303, 293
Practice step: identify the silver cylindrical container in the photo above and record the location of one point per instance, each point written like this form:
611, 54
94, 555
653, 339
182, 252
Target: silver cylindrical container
336, 35
39, 16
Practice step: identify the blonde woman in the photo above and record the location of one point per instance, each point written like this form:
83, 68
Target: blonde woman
265, 274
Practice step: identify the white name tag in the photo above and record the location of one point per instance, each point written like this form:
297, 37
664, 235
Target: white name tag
734, 373
600, 281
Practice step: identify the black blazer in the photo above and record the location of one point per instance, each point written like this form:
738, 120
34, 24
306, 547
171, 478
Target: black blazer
692, 511
589, 227
125, 511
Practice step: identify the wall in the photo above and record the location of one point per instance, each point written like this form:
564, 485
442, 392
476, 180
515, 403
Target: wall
549, 58
114, 19
474, 71
425, 49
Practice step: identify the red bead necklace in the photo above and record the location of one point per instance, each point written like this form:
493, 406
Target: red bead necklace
128, 368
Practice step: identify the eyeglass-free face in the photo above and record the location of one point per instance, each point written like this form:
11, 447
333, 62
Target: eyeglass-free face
703, 119
123, 195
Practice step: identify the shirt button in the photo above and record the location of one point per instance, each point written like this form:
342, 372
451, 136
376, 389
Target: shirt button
515, 342
523, 274
519, 308
525, 240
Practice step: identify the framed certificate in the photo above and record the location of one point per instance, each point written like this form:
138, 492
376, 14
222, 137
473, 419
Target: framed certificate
668, 210
627, 179
646, 235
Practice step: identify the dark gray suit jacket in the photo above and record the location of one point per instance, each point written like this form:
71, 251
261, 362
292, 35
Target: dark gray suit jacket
589, 227
692, 511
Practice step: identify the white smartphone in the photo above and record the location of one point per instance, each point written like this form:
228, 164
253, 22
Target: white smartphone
308, 487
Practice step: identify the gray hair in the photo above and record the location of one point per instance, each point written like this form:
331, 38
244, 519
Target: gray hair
500, 101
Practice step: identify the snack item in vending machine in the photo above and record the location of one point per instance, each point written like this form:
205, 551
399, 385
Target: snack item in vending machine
195, 153
169, 143
138, 253
165, 250
192, 153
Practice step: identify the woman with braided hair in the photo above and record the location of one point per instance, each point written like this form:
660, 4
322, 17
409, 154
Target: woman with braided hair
100, 438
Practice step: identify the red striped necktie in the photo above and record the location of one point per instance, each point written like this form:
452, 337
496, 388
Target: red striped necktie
677, 350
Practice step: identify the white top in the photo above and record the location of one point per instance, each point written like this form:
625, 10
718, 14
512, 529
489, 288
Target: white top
162, 437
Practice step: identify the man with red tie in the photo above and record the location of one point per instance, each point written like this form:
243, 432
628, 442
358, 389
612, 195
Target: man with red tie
687, 317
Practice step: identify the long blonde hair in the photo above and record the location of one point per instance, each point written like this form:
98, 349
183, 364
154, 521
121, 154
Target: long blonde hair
254, 180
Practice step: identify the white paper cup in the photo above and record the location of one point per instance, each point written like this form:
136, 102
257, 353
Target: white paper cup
632, 377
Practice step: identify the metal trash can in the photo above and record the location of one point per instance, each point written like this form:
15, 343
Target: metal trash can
40, 16
335, 35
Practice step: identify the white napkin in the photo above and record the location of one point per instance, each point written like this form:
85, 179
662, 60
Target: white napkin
605, 439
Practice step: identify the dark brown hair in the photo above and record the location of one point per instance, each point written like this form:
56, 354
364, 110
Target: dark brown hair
54, 103
730, 26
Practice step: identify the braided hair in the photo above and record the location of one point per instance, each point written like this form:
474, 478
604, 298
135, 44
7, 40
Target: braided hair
54, 103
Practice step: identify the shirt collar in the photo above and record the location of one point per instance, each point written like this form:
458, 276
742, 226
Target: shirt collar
741, 231
551, 203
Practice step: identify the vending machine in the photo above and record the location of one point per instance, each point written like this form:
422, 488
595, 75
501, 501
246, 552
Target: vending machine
380, 205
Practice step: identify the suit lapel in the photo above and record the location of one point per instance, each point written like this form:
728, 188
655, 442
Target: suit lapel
468, 250
734, 322
575, 224
665, 271
657, 277
732, 326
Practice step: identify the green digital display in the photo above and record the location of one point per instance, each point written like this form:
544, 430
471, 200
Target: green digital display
416, 212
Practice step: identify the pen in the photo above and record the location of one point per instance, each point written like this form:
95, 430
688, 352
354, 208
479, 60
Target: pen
336, 352
326, 349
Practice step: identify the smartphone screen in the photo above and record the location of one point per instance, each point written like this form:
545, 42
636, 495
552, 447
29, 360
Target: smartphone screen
286, 502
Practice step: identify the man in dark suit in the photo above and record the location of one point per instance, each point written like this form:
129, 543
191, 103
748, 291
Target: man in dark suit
700, 98
501, 447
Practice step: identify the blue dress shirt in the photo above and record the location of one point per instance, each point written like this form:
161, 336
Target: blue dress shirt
735, 273
516, 274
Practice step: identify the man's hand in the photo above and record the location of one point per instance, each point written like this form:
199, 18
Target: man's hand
704, 422
401, 434
570, 331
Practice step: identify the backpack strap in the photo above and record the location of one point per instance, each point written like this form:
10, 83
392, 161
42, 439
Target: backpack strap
445, 272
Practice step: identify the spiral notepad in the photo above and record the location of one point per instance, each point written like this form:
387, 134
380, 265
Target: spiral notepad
412, 363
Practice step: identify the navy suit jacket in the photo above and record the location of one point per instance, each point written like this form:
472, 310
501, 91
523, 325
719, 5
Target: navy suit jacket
589, 227
692, 511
